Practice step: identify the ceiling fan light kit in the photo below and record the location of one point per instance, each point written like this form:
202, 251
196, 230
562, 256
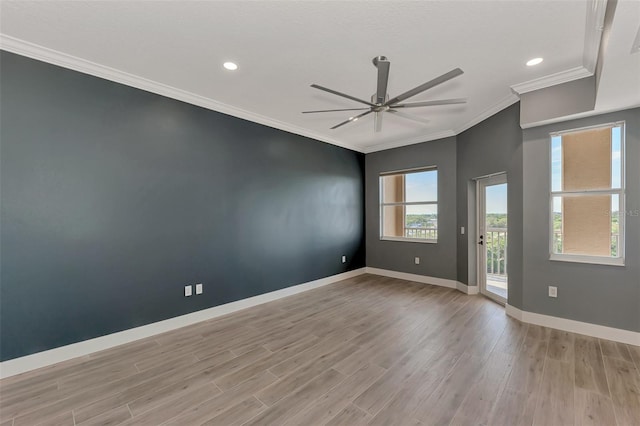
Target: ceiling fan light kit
380, 102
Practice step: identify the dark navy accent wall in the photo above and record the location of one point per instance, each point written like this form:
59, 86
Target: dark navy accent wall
113, 199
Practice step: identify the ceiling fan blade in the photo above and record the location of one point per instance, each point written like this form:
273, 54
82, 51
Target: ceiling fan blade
352, 119
377, 121
344, 95
431, 103
425, 86
409, 116
332, 110
383, 78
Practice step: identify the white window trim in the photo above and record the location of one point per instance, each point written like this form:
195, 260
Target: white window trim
597, 260
409, 240
382, 204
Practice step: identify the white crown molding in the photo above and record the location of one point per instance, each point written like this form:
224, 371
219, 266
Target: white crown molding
593, 33
594, 330
44, 54
412, 141
594, 26
504, 103
551, 80
53, 356
578, 116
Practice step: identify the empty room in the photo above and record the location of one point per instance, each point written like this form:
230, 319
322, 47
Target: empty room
400, 213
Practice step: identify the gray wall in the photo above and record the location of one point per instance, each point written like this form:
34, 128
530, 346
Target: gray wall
436, 260
492, 146
606, 295
560, 100
113, 199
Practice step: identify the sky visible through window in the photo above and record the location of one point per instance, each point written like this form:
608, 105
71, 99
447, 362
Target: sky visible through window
496, 199
422, 186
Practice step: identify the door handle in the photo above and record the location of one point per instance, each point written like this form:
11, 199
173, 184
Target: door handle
481, 242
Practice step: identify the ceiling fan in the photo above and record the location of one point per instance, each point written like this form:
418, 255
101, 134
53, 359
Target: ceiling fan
380, 101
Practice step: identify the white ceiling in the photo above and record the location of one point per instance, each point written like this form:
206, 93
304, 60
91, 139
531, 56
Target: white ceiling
177, 48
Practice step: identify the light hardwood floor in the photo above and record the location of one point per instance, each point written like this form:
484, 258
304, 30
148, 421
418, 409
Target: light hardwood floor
369, 350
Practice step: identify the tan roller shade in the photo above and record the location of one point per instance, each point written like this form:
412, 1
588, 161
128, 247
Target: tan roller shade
586, 164
393, 192
587, 225
586, 160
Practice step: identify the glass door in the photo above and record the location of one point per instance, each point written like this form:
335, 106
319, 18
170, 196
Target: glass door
492, 237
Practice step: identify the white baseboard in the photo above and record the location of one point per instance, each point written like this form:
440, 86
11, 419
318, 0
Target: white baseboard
74, 350
442, 282
585, 328
471, 290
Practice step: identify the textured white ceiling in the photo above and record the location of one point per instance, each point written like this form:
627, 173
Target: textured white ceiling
282, 47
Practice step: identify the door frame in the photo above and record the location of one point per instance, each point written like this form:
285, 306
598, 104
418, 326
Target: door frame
481, 273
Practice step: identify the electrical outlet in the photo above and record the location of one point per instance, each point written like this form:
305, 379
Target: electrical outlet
198, 288
462, 230
417, 260
188, 290
344, 259
553, 291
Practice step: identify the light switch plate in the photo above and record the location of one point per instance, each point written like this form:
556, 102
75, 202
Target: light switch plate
188, 290
198, 288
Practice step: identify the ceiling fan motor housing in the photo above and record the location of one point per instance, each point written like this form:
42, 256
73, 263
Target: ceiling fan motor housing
377, 59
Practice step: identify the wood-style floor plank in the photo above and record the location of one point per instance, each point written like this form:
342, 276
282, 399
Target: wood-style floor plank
350, 416
201, 412
291, 405
624, 384
556, 399
593, 409
368, 350
238, 414
589, 366
331, 403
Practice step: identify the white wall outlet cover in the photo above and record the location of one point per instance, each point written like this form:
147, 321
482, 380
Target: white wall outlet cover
188, 290
462, 230
553, 291
344, 259
198, 288
417, 260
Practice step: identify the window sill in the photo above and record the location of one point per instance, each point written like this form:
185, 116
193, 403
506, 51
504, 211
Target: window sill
409, 240
595, 260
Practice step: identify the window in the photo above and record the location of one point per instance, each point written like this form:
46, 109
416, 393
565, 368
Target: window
587, 195
409, 205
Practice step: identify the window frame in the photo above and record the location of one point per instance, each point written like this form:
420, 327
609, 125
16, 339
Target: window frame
382, 204
582, 258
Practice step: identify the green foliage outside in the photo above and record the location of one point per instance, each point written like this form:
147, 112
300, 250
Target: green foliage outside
496, 220
421, 221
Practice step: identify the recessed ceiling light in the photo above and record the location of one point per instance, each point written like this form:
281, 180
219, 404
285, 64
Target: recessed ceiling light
230, 66
534, 61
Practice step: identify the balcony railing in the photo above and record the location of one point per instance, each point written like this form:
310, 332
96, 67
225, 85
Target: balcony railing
496, 243
423, 233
